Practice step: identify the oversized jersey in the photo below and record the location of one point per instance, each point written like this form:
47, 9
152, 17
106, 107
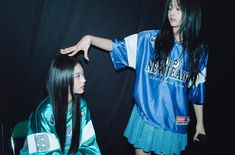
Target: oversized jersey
161, 97
42, 137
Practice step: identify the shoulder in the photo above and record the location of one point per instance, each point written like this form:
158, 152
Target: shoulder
44, 106
83, 106
203, 60
145, 33
149, 33
42, 116
85, 113
44, 110
83, 103
204, 48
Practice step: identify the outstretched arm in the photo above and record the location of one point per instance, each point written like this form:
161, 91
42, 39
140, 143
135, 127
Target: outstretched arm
85, 43
200, 125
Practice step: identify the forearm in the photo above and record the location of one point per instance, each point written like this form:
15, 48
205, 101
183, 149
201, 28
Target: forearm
200, 123
198, 112
103, 43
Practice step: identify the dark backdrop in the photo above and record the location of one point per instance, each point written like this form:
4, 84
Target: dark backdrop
33, 31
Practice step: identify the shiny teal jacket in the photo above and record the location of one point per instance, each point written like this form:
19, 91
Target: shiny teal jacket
42, 138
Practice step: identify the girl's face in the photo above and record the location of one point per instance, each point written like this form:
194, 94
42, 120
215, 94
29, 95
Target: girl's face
174, 15
79, 80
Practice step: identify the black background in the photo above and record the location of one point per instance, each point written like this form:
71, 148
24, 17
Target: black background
33, 31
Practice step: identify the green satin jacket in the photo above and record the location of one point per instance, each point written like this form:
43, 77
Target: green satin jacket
42, 138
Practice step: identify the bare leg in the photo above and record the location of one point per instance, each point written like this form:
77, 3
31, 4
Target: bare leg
141, 152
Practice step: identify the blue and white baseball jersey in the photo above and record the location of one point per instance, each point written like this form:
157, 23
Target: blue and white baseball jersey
162, 97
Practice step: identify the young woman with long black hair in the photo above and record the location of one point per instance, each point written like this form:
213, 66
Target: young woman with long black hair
170, 71
61, 124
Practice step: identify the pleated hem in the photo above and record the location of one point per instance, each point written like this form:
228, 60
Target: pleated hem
150, 139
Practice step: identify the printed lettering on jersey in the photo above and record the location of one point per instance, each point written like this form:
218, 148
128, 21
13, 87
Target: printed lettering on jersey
182, 120
172, 70
152, 40
42, 142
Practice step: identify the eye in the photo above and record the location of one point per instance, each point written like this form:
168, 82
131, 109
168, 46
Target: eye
170, 7
77, 76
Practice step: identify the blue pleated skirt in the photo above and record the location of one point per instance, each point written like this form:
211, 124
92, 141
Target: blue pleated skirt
150, 139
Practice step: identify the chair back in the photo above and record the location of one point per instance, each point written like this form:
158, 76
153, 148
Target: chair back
18, 135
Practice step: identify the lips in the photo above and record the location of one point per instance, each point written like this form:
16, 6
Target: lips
172, 19
82, 87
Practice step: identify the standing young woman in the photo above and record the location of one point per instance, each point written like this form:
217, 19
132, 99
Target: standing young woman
61, 124
170, 68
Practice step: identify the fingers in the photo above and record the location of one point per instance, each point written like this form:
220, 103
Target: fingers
200, 137
195, 138
71, 51
67, 50
86, 55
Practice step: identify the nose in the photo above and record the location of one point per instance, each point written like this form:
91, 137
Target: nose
171, 12
83, 79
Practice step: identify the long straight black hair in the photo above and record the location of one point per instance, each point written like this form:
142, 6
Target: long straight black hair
189, 35
59, 85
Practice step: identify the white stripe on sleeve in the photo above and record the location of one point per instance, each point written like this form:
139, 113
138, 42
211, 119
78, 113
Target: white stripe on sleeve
201, 77
87, 132
131, 46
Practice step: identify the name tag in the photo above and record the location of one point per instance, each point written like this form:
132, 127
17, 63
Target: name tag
42, 142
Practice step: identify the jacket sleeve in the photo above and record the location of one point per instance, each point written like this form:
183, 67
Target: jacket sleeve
42, 138
88, 143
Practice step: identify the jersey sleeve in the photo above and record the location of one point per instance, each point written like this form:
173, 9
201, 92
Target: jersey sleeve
197, 92
88, 143
124, 52
42, 138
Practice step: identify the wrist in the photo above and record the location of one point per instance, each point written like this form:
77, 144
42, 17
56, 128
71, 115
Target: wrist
200, 122
89, 38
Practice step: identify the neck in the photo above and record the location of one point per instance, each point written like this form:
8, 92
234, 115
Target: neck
177, 37
176, 34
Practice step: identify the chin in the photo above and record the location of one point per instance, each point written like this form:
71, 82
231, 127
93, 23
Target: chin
79, 92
